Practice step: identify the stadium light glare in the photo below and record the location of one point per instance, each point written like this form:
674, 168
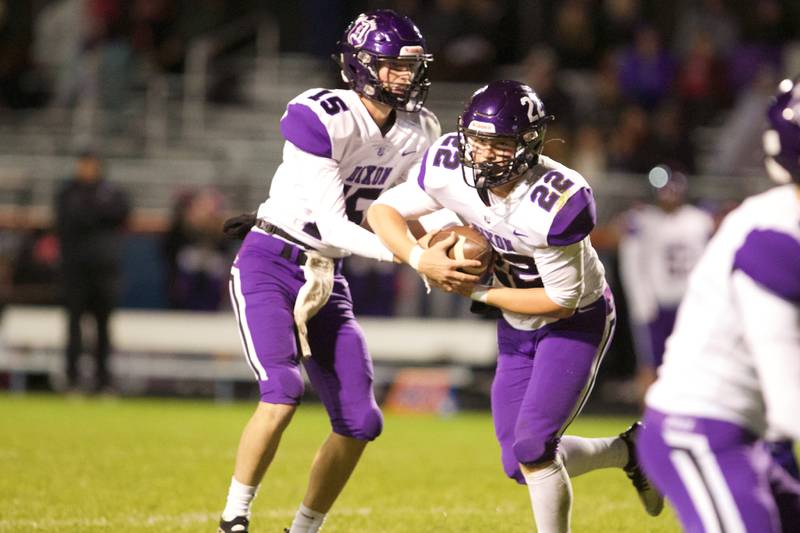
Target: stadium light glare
658, 176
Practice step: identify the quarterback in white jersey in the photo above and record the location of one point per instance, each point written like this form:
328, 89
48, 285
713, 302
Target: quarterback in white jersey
343, 148
335, 163
660, 246
558, 313
732, 365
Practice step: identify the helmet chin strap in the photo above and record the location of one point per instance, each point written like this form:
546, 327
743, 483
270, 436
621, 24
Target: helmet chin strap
483, 194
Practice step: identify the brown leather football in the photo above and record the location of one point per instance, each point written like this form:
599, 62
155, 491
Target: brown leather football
470, 244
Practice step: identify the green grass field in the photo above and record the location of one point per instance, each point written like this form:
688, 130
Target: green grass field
85, 465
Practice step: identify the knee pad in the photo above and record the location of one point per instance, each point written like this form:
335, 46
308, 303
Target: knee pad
532, 450
283, 385
372, 426
366, 425
511, 468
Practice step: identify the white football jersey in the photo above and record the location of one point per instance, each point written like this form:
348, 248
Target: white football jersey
657, 253
540, 230
734, 354
335, 163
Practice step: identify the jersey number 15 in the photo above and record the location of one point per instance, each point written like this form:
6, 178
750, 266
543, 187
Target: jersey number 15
332, 104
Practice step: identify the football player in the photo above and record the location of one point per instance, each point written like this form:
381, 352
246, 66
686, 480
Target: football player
557, 310
732, 366
660, 245
343, 148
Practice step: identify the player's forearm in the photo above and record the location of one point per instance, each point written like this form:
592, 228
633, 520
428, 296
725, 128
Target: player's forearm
392, 229
344, 234
526, 301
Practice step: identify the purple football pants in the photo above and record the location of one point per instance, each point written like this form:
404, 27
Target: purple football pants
543, 380
718, 475
651, 337
660, 329
264, 286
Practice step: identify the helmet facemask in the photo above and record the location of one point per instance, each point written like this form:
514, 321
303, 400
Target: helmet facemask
406, 92
527, 147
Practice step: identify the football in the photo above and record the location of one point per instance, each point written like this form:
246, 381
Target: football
470, 244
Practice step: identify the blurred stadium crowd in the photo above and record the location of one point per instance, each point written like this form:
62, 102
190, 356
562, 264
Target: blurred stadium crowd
632, 83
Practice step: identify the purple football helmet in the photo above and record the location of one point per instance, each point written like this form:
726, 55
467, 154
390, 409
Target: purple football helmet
502, 110
782, 139
384, 38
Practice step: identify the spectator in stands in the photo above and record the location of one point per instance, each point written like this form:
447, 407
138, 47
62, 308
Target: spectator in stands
629, 144
606, 101
710, 17
574, 34
647, 70
90, 214
196, 252
35, 268
702, 81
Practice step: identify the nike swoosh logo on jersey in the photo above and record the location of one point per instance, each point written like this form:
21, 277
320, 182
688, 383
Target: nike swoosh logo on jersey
518, 234
408, 153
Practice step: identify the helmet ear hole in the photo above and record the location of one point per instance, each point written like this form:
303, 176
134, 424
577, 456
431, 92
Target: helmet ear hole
364, 58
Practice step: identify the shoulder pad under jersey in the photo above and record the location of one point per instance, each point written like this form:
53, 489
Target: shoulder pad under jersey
567, 201
772, 259
440, 164
315, 120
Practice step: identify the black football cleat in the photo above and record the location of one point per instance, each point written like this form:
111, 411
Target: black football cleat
651, 499
240, 524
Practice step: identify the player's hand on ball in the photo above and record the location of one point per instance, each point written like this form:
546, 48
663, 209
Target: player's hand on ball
464, 288
443, 271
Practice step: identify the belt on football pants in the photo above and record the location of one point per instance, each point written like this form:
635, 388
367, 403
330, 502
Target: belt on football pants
289, 252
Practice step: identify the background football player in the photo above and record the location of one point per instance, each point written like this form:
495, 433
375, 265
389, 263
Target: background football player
557, 310
660, 245
732, 366
343, 148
